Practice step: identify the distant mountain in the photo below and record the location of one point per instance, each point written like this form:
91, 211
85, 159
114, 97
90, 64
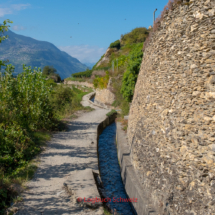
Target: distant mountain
89, 65
21, 50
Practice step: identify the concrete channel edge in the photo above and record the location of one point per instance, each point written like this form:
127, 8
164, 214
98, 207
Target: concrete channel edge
129, 177
131, 183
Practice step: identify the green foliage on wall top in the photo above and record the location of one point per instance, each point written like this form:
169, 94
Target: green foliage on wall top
115, 44
131, 73
137, 35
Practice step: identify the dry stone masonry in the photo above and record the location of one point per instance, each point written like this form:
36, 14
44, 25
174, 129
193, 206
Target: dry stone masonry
171, 128
104, 96
77, 83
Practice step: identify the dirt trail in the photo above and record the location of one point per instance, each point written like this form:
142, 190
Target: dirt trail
67, 153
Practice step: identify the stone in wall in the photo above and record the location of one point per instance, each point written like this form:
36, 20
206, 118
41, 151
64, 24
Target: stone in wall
171, 127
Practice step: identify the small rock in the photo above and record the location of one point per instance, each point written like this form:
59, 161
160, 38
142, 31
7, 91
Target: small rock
193, 66
196, 93
212, 147
211, 12
206, 118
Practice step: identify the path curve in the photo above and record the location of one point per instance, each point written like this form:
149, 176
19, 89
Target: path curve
67, 153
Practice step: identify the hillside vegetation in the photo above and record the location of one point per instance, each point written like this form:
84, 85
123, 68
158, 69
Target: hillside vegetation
123, 65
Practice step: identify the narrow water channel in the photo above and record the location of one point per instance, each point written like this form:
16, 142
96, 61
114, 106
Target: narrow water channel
92, 99
110, 172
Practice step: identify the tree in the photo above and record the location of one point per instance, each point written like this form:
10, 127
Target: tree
4, 28
51, 72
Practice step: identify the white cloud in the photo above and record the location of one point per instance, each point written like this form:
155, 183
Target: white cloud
12, 8
18, 28
84, 53
19, 6
4, 11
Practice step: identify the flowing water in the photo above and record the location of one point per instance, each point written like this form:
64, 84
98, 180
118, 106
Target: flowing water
113, 187
92, 99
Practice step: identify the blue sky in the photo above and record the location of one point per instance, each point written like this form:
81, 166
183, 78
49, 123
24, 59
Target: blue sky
100, 22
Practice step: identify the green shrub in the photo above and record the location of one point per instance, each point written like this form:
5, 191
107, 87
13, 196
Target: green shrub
115, 44
60, 97
51, 83
131, 74
25, 107
137, 35
25, 99
125, 107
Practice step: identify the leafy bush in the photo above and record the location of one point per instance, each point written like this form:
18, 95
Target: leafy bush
25, 99
101, 82
137, 35
115, 44
4, 28
25, 107
122, 60
131, 74
125, 107
60, 97
51, 83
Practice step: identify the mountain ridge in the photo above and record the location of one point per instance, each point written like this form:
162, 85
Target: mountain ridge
19, 50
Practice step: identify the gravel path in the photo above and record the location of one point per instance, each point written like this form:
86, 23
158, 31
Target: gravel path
67, 153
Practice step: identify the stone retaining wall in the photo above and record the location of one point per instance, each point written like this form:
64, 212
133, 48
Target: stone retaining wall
97, 103
77, 83
104, 96
171, 127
